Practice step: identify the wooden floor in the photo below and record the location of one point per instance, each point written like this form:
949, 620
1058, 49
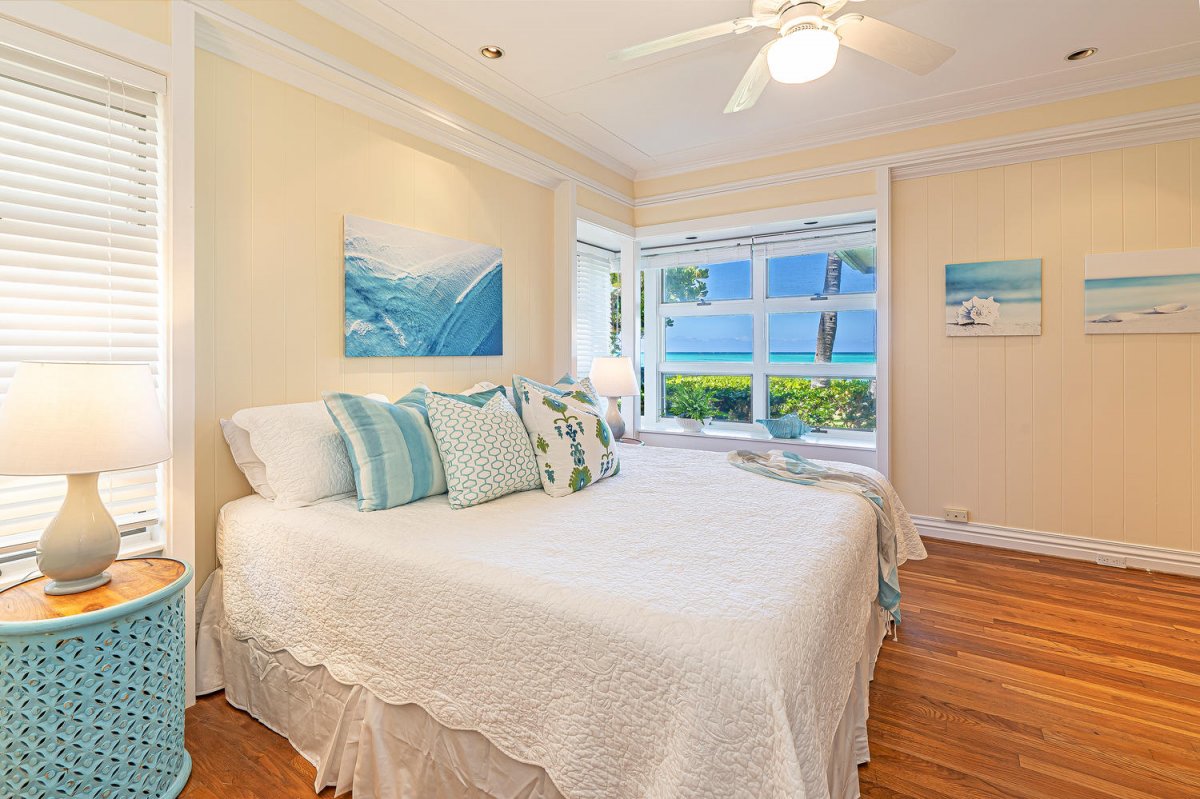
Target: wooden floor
1014, 676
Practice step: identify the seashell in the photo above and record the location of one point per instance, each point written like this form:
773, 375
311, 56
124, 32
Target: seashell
1174, 307
978, 311
1116, 317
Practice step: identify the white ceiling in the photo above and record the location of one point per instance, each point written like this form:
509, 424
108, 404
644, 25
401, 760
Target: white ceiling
664, 114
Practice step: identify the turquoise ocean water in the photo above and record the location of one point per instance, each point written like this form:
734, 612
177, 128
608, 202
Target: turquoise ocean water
776, 357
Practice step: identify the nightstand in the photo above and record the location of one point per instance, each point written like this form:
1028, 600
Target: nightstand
92, 686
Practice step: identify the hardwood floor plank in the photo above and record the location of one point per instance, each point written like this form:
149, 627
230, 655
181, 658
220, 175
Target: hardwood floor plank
1015, 676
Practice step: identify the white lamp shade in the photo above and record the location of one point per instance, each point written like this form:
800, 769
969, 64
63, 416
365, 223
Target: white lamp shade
614, 377
79, 418
803, 55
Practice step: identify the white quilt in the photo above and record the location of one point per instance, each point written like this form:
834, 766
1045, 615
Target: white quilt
684, 629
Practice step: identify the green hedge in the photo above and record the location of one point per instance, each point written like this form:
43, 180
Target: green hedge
841, 404
730, 394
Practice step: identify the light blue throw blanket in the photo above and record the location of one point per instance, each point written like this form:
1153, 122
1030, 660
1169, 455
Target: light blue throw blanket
789, 466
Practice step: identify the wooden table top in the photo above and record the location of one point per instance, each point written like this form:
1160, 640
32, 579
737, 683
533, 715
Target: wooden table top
131, 579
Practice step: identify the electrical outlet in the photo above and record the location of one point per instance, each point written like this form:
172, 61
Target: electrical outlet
955, 514
1115, 561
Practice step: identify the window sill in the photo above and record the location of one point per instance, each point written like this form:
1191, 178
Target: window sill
863, 442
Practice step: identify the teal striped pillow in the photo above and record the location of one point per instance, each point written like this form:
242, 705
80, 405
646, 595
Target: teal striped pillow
391, 447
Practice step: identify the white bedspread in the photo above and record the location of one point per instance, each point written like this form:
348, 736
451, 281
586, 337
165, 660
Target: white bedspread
684, 629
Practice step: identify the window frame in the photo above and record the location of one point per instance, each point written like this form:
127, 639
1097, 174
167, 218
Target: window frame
759, 306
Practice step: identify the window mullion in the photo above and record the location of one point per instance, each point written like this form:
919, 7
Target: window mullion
653, 349
758, 382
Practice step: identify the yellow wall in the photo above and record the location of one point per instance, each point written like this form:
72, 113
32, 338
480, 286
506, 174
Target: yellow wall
150, 18
276, 170
294, 19
1094, 107
1095, 436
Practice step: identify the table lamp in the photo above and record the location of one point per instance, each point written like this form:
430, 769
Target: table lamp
80, 419
614, 377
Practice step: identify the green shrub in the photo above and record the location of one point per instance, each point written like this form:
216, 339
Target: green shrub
729, 394
843, 404
847, 404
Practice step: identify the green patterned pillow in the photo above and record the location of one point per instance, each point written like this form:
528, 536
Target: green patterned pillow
485, 450
567, 386
572, 442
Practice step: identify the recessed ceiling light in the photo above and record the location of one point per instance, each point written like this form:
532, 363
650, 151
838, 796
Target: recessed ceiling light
491, 51
1079, 55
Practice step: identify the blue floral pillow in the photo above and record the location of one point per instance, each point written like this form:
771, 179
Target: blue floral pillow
567, 386
571, 441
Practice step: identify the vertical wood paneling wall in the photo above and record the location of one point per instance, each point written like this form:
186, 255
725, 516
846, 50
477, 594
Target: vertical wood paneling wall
1096, 436
276, 170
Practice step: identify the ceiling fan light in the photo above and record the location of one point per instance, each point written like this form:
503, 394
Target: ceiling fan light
803, 55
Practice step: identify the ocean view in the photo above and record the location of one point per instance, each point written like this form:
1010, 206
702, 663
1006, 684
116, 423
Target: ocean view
776, 357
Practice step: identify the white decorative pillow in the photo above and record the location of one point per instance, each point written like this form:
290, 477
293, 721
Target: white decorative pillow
573, 444
243, 455
303, 453
485, 450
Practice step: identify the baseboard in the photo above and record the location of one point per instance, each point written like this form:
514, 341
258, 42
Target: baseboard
1137, 556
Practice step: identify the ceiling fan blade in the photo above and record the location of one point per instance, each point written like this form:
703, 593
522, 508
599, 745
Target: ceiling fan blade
753, 82
892, 45
741, 25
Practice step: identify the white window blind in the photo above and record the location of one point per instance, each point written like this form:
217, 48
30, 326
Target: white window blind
773, 245
80, 249
593, 286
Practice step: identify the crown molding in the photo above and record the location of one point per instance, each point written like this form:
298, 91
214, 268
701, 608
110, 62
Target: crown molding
1143, 77
1061, 545
354, 17
246, 40
1131, 130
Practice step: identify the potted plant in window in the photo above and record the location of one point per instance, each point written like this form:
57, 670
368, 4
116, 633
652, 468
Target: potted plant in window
691, 404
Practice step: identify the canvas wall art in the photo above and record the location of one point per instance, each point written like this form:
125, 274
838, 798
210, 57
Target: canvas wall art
1142, 292
994, 298
409, 292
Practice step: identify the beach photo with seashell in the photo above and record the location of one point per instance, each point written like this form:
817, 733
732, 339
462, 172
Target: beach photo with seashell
1156, 291
994, 298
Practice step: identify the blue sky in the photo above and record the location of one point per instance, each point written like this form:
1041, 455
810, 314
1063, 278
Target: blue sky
799, 275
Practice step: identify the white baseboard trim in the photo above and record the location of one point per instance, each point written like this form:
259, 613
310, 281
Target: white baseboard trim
1137, 556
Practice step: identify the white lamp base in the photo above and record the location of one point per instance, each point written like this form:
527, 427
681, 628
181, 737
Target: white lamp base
63, 587
613, 417
80, 542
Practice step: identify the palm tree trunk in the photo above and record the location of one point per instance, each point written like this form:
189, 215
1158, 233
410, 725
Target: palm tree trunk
827, 330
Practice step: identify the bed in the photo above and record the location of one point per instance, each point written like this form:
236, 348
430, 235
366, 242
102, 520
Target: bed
683, 629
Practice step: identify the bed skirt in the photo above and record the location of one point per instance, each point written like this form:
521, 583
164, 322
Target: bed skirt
382, 751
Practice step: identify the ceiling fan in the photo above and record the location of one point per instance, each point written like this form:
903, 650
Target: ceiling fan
807, 44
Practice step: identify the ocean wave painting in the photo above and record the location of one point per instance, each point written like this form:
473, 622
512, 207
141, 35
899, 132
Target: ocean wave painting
409, 292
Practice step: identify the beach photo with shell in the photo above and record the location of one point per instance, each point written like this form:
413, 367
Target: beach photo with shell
1156, 291
994, 298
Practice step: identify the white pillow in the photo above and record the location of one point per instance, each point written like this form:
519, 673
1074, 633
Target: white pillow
243, 455
305, 459
480, 386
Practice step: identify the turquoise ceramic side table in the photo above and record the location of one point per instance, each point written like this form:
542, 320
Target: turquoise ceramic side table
92, 687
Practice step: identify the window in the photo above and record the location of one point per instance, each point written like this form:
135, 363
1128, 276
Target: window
597, 305
768, 326
80, 251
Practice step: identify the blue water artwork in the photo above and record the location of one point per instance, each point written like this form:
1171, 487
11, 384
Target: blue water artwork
994, 298
409, 292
